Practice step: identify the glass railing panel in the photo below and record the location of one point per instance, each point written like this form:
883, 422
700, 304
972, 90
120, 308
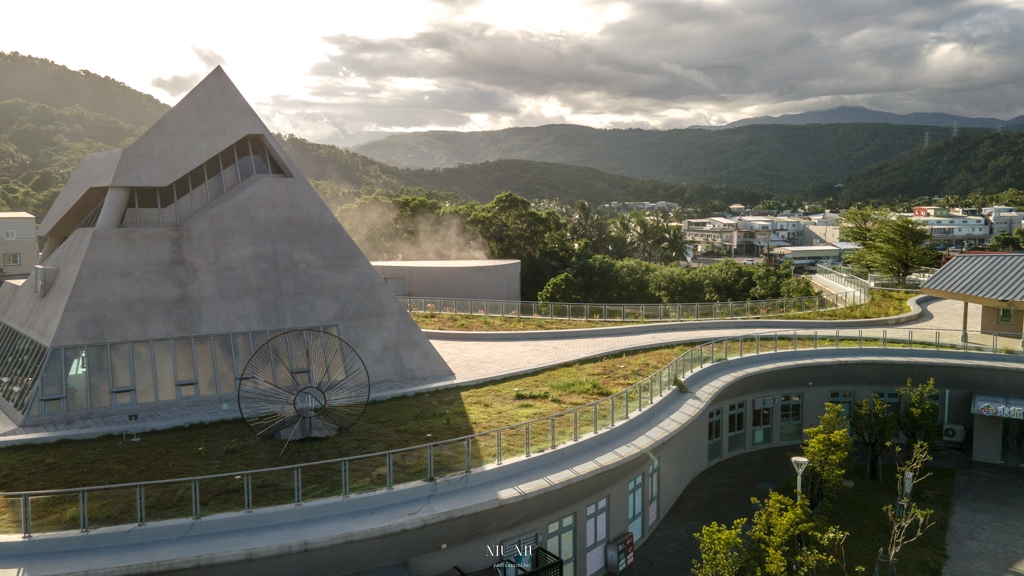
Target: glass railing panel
322, 481
483, 449
48, 513
272, 488
513, 442
367, 474
409, 465
111, 507
168, 501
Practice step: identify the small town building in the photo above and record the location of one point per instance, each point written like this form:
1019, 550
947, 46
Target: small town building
20, 247
949, 230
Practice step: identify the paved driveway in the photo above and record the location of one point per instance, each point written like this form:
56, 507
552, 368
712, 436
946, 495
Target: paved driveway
986, 533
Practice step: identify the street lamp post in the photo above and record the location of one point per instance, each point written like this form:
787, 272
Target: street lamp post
799, 463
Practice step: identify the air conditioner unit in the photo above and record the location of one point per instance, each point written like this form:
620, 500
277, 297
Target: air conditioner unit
953, 432
44, 276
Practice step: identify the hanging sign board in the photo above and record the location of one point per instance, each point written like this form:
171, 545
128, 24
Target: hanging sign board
1000, 406
620, 553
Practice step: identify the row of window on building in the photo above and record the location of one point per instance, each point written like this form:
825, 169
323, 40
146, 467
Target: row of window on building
641, 514
194, 191
78, 378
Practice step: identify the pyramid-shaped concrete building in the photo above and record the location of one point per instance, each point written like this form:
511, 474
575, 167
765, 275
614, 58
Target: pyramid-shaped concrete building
168, 262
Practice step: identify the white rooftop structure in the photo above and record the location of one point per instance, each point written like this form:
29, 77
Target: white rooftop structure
167, 263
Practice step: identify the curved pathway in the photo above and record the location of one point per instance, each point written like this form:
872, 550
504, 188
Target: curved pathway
522, 352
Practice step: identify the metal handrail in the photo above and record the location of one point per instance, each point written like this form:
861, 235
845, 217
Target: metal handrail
643, 392
679, 312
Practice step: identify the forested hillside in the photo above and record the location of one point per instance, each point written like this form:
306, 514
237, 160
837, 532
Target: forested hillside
38, 80
774, 158
980, 164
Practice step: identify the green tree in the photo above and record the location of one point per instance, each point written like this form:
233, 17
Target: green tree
561, 288
857, 224
1004, 242
875, 426
918, 415
827, 449
721, 550
784, 538
725, 281
897, 247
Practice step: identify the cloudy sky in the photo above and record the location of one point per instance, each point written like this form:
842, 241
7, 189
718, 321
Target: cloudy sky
332, 70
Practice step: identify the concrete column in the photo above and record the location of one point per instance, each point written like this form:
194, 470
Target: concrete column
52, 242
113, 207
988, 439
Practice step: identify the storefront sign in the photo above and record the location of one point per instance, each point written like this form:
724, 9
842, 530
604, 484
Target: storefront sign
999, 406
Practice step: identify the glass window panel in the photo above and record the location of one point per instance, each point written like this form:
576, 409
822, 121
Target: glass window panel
242, 351
99, 377
52, 380
121, 366
197, 178
297, 351
142, 359
225, 366
149, 210
229, 167
204, 366
275, 168
130, 215
183, 361
245, 167
75, 378
184, 199
164, 370
123, 397
188, 390
166, 197
51, 406
214, 179
259, 156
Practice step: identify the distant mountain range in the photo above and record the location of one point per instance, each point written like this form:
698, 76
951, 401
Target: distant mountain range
851, 114
778, 159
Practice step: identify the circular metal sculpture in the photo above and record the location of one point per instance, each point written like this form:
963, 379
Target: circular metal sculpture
303, 384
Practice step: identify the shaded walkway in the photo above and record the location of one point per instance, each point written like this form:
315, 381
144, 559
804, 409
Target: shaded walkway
719, 494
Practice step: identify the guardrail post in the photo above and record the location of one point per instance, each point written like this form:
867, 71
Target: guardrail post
837, 338
595, 417
910, 339
527, 439
195, 500
344, 478
554, 438
712, 351
469, 454
993, 342
776, 342
390, 463
83, 511
757, 344
727, 349
140, 504
498, 455
860, 338
741, 346
815, 339
247, 491
430, 461
297, 475
884, 338
26, 517
575, 425
613, 411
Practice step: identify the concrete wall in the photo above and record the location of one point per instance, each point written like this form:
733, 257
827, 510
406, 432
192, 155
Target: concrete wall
990, 322
435, 526
462, 279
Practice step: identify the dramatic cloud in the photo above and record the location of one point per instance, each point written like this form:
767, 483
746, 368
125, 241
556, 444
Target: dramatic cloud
176, 85
669, 64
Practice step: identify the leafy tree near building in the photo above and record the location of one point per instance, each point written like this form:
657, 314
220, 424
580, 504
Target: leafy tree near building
827, 450
875, 426
918, 415
895, 246
1007, 242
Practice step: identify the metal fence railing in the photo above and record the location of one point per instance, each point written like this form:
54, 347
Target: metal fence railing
743, 309
842, 276
141, 502
917, 277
